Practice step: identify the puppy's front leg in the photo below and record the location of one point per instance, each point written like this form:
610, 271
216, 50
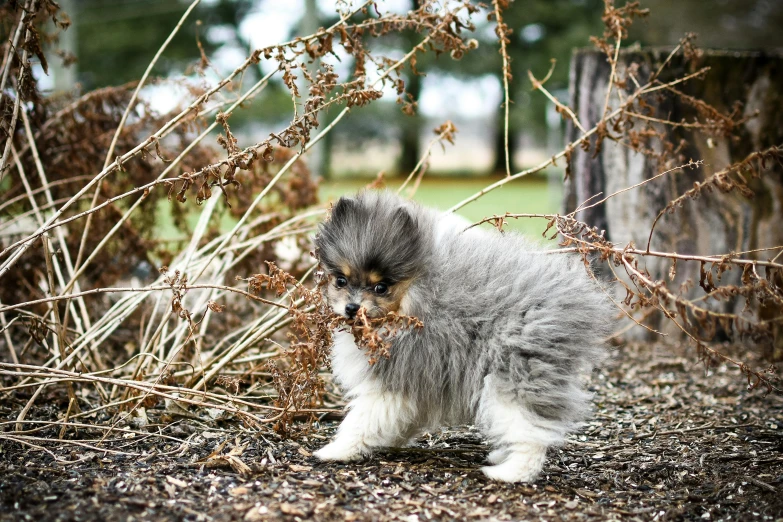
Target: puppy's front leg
374, 420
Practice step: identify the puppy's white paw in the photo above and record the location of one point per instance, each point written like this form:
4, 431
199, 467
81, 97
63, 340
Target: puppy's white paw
338, 452
497, 456
508, 473
521, 465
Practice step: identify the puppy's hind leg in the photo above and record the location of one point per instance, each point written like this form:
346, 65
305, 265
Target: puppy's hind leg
375, 420
520, 441
523, 463
498, 455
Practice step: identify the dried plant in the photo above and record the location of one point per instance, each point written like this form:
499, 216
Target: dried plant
374, 335
83, 309
297, 375
757, 308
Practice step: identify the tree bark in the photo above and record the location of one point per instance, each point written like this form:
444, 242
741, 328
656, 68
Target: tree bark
716, 223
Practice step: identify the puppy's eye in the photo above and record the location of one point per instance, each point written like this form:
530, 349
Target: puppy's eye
340, 282
381, 288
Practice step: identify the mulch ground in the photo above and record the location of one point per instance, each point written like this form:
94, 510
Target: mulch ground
669, 441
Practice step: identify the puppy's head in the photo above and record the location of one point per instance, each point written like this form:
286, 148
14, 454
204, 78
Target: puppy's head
371, 251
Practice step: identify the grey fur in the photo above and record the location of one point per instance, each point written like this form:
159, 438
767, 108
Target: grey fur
494, 307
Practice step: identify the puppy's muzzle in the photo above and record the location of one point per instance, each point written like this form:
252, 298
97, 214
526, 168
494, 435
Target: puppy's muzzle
351, 309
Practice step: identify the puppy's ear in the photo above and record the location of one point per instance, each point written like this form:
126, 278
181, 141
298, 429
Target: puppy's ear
405, 226
344, 208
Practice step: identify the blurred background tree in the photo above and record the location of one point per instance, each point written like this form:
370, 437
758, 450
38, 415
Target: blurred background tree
113, 41
117, 38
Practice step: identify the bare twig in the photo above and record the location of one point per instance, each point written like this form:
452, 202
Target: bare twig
502, 32
27, 10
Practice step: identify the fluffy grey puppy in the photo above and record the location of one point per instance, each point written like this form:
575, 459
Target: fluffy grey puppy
507, 333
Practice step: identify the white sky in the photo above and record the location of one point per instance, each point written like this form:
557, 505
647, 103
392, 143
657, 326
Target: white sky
270, 21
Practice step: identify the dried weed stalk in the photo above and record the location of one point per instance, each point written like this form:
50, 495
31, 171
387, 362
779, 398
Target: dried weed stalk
86, 178
84, 311
296, 374
374, 334
756, 314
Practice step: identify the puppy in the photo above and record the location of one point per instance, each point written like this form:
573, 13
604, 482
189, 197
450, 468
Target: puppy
507, 332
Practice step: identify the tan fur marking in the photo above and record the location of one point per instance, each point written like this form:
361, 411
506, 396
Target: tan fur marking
391, 301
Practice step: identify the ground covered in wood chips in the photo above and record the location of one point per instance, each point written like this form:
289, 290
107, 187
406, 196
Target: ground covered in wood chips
669, 441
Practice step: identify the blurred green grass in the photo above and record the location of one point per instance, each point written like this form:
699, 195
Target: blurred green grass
535, 195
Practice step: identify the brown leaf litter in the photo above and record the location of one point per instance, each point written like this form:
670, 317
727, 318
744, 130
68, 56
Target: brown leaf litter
667, 442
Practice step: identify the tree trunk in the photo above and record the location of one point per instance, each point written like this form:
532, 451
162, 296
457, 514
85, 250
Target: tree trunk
410, 131
499, 166
65, 75
410, 145
716, 223
318, 155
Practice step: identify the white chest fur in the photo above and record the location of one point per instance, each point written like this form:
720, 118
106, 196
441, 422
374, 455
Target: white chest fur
349, 363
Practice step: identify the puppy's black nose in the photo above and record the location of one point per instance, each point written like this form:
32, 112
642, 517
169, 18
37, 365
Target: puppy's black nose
351, 309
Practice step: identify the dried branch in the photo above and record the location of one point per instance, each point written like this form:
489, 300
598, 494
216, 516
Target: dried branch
502, 31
